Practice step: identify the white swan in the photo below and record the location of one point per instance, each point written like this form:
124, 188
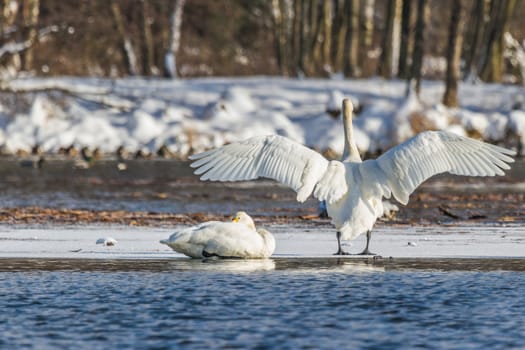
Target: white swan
352, 189
236, 239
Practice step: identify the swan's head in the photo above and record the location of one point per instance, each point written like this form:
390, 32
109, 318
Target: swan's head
348, 109
243, 218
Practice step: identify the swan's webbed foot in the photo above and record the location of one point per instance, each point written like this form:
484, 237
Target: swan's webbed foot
367, 252
341, 252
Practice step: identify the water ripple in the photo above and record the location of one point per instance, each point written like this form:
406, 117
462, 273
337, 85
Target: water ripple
280, 308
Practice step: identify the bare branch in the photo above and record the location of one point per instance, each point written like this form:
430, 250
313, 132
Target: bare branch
97, 94
18, 47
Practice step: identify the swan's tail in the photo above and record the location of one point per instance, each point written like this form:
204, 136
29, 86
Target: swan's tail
164, 241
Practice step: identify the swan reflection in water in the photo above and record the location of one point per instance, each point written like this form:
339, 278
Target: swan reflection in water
290, 265
225, 265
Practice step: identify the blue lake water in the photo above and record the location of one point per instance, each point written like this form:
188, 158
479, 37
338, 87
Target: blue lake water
274, 304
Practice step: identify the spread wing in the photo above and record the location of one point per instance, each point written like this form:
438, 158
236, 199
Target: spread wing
407, 165
277, 158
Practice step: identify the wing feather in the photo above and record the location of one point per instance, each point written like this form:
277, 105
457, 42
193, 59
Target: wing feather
273, 157
406, 166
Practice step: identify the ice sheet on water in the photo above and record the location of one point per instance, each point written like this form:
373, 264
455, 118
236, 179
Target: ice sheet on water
292, 241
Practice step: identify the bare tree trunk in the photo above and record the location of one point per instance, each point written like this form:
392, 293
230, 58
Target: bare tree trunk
396, 37
405, 48
315, 35
369, 23
472, 55
455, 43
127, 47
288, 27
280, 12
327, 36
352, 39
9, 14
148, 48
30, 15
417, 54
493, 68
492, 9
277, 18
295, 34
311, 45
390, 46
170, 56
303, 34
339, 33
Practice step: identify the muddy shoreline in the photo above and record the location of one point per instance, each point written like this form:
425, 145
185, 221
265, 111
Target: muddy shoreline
163, 193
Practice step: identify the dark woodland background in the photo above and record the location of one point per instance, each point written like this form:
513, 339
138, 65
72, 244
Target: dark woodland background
262, 37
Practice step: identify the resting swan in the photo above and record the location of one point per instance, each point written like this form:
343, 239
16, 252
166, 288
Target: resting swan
236, 239
353, 189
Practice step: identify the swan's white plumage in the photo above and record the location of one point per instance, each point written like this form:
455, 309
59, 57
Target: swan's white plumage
406, 166
273, 157
235, 239
353, 189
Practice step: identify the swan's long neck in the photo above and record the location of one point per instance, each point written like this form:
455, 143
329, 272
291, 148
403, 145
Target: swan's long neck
350, 153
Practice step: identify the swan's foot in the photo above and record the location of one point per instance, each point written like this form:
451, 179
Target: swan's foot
367, 252
340, 250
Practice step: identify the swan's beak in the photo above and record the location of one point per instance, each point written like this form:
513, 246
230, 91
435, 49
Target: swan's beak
236, 219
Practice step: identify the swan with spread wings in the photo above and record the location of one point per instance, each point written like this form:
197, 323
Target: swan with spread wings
353, 189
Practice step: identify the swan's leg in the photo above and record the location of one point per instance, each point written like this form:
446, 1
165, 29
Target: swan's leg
340, 251
366, 251
322, 210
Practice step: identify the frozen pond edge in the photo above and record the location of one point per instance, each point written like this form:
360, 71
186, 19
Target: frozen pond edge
293, 242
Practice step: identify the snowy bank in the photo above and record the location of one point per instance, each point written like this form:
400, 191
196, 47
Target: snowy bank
187, 116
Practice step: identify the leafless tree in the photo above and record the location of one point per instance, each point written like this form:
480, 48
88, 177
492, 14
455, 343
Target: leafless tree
303, 35
170, 56
417, 54
127, 46
148, 46
455, 43
390, 45
9, 45
351, 67
478, 21
405, 47
327, 36
368, 15
492, 57
30, 13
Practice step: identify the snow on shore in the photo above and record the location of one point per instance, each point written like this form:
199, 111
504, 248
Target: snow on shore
192, 115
